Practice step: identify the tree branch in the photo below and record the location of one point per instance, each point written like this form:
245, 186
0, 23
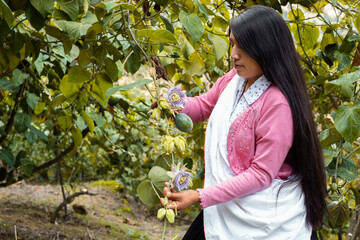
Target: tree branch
59, 157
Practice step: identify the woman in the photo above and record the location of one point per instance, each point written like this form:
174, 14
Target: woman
264, 171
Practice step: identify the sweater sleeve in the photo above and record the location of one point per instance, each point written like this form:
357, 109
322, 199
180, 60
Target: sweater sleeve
199, 108
274, 137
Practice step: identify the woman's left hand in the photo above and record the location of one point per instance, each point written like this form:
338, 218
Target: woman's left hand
181, 199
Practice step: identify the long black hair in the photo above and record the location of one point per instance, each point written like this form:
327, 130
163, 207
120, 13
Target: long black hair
263, 34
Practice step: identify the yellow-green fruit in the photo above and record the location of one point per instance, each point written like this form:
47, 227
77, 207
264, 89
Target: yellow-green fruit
161, 213
334, 187
183, 122
170, 215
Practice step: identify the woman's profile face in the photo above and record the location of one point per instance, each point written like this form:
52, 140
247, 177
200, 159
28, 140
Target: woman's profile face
245, 66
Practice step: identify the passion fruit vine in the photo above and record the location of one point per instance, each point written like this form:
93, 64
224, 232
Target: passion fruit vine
183, 122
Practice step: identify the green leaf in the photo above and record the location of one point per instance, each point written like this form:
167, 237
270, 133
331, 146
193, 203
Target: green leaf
111, 69
57, 101
346, 79
8, 85
347, 122
339, 213
19, 77
193, 25
126, 87
78, 74
35, 18
89, 122
147, 194
167, 24
159, 35
68, 88
39, 108
357, 22
99, 120
17, 41
194, 65
6, 13
31, 136
163, 162
127, 6
27, 166
8, 157
43, 7
220, 22
99, 86
22, 122
4, 30
201, 9
74, 29
347, 46
158, 174
347, 170
40, 133
31, 99
145, 190
77, 136
344, 61
65, 122
329, 136
220, 46
186, 48
71, 8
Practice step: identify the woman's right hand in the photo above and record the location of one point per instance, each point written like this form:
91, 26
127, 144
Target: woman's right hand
179, 200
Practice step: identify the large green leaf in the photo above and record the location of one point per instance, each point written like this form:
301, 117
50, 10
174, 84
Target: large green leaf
8, 85
347, 122
346, 79
35, 18
8, 157
159, 35
167, 24
77, 74
22, 122
19, 77
157, 174
68, 88
347, 170
193, 24
31, 99
339, 213
74, 29
31, 136
71, 8
89, 122
220, 46
5, 13
329, 136
99, 86
43, 7
65, 122
38, 132
147, 194
126, 87
194, 65
344, 61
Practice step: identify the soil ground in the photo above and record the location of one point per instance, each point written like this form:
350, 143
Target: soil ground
25, 212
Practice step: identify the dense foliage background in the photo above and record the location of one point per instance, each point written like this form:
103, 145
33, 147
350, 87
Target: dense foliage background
77, 78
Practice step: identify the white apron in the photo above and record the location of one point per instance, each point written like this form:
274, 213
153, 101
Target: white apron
260, 215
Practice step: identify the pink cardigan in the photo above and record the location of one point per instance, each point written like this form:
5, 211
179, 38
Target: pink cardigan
258, 142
